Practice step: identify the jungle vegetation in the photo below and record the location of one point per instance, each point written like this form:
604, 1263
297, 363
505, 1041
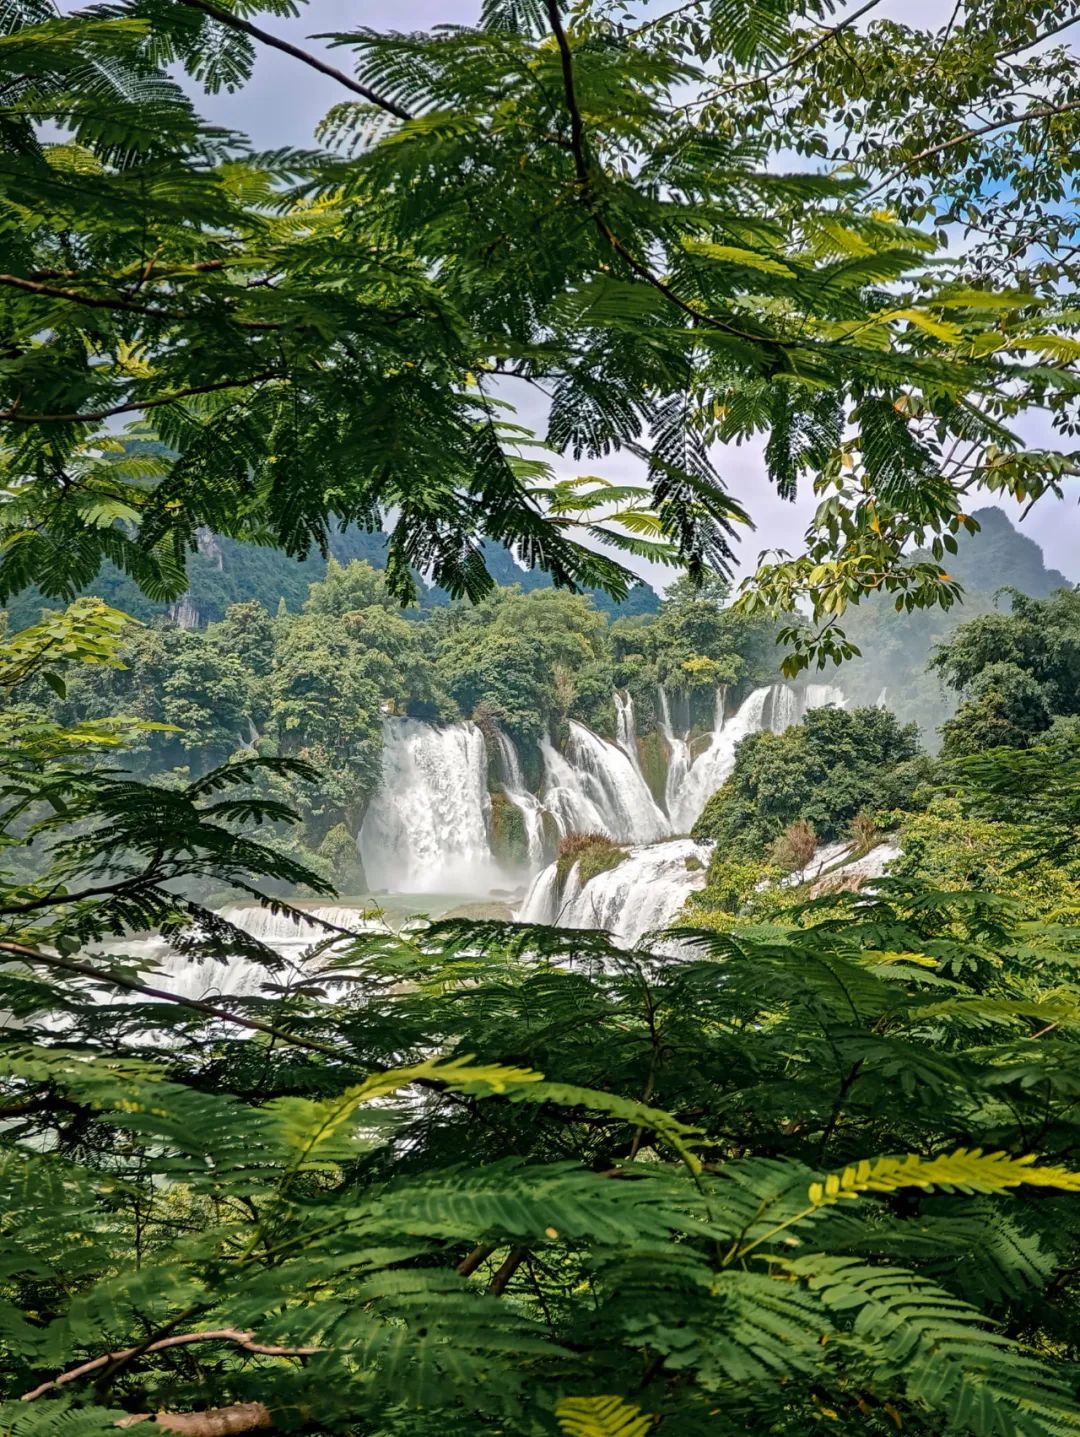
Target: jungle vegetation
819, 1175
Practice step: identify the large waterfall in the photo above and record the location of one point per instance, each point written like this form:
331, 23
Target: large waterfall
426, 829
648, 888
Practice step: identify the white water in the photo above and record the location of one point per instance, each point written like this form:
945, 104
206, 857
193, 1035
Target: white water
527, 804
626, 727
647, 890
679, 759
643, 893
240, 977
426, 829
595, 787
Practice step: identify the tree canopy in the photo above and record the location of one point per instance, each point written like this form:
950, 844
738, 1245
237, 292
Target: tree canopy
1016, 672
330, 335
833, 766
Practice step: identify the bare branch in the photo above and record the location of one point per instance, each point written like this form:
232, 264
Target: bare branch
801, 54
216, 1422
93, 416
246, 1340
1046, 113
234, 22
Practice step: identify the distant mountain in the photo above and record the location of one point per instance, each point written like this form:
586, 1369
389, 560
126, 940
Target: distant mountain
223, 572
897, 648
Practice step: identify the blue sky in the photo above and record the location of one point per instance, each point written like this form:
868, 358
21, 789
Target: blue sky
285, 101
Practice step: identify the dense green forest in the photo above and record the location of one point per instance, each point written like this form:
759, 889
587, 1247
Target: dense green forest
806, 1162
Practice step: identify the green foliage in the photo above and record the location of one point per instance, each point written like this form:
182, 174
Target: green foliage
339, 852
509, 841
1016, 671
832, 766
589, 853
530, 659
320, 338
697, 643
483, 1175
896, 649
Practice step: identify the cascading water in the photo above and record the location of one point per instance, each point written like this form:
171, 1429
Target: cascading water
649, 887
426, 829
639, 895
596, 788
679, 759
707, 772
527, 804
626, 727
239, 976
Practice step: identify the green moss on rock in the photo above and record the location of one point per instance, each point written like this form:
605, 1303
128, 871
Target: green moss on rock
339, 852
655, 758
509, 842
593, 853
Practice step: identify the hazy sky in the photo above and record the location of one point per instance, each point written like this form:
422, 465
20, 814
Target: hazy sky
285, 100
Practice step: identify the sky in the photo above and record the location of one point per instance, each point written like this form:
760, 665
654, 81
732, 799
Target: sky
284, 102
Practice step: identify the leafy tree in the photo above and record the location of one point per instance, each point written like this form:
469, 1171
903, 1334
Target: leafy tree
1016, 671
327, 693
833, 765
531, 660
326, 337
1007, 708
246, 633
198, 696
896, 649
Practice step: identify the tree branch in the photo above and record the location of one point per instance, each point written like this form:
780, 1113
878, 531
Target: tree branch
480, 1253
1046, 113
74, 296
577, 125
216, 1422
1023, 45
581, 166
180, 1339
501, 1281
802, 54
234, 22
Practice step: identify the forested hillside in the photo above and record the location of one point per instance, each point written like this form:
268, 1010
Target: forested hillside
897, 648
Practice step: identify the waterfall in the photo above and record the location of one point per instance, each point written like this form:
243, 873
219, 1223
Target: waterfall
526, 803
596, 788
691, 781
711, 767
781, 709
626, 727
281, 930
426, 829
679, 759
646, 891
819, 696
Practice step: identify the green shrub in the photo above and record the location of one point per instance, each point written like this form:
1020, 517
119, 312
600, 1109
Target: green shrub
593, 853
